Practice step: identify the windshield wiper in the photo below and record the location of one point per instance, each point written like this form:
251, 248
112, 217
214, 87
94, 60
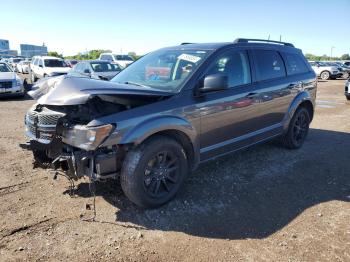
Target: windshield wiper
134, 84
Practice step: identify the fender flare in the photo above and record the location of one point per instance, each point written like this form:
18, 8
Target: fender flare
299, 99
163, 123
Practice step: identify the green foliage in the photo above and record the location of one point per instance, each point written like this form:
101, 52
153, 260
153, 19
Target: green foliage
312, 57
55, 54
90, 55
345, 57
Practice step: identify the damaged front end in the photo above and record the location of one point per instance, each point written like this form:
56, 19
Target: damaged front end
59, 131
59, 142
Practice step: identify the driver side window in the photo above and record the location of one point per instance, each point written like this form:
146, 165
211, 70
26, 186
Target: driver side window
234, 64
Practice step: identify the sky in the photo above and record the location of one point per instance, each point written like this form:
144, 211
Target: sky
72, 26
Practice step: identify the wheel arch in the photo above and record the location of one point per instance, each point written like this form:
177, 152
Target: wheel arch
174, 127
301, 100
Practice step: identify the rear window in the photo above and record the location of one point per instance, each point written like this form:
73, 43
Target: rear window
54, 63
123, 57
106, 57
269, 64
104, 67
294, 64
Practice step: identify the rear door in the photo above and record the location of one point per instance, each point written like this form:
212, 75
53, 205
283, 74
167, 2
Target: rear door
274, 92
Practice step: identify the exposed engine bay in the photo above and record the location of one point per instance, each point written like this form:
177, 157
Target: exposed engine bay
58, 131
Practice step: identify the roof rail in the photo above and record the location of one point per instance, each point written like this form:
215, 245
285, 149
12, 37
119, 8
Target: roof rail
186, 43
247, 40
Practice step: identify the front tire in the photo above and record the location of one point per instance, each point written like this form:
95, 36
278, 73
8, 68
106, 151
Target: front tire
347, 97
298, 129
153, 172
34, 78
325, 75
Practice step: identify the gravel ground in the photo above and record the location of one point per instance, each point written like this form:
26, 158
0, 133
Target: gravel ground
261, 204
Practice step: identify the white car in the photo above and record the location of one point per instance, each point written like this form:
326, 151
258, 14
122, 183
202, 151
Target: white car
44, 66
325, 71
10, 83
23, 67
122, 60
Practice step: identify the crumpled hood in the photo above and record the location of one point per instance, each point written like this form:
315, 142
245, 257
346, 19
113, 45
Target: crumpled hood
65, 90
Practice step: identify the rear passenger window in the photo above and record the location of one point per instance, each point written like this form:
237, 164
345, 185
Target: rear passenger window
269, 64
294, 64
234, 64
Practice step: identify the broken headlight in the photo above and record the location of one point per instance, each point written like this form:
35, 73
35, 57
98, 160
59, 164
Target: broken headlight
87, 138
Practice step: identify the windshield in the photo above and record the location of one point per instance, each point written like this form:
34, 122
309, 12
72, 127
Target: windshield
54, 63
4, 68
104, 67
123, 57
166, 70
16, 60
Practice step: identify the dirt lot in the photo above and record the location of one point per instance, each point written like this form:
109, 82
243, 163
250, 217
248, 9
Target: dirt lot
262, 204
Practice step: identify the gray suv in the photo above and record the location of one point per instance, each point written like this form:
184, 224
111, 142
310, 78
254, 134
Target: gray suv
171, 110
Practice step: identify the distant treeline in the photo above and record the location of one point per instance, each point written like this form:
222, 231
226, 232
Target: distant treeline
90, 55
312, 57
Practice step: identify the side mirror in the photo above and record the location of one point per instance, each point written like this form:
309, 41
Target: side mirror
215, 82
86, 71
41, 66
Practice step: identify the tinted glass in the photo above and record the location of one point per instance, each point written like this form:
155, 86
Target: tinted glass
269, 64
106, 57
123, 57
234, 64
104, 67
4, 68
54, 63
295, 64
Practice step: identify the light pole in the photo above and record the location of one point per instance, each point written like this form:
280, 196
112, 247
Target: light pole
331, 52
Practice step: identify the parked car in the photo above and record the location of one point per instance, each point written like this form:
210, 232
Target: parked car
71, 63
324, 71
123, 60
347, 63
23, 67
10, 83
13, 61
347, 89
343, 68
96, 69
44, 66
152, 127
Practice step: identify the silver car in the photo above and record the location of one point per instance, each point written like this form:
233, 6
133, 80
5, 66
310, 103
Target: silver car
96, 69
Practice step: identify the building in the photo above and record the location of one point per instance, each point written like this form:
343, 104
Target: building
4, 45
33, 50
5, 49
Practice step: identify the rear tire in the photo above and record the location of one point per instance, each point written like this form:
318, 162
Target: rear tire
346, 75
325, 75
298, 129
153, 172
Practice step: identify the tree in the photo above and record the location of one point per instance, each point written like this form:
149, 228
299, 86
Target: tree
55, 54
91, 55
345, 57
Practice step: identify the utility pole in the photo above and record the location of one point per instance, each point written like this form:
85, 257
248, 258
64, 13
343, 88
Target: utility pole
268, 38
280, 38
331, 52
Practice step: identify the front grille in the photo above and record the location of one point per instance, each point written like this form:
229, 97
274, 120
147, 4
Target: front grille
6, 84
42, 125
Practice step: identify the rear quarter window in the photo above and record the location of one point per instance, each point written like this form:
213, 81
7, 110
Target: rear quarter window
294, 64
268, 64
